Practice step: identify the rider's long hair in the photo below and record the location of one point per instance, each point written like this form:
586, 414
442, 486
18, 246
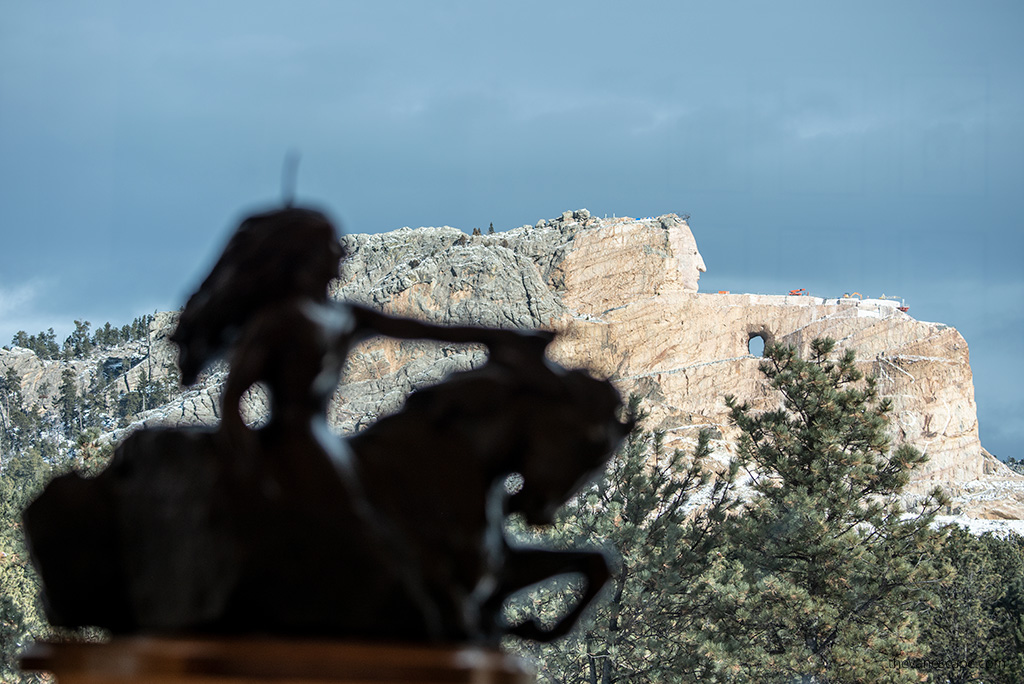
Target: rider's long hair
289, 253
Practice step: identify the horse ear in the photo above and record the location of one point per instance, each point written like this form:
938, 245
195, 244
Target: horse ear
627, 426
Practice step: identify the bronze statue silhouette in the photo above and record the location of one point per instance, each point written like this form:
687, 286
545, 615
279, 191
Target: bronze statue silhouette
395, 533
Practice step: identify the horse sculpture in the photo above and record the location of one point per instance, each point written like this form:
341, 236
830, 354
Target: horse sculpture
396, 533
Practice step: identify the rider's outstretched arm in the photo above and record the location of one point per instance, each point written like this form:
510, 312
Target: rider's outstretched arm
370, 323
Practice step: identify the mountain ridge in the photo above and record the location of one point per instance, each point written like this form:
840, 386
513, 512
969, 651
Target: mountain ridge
623, 295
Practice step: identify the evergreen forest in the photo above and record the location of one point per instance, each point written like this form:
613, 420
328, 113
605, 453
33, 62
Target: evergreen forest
792, 562
811, 571
107, 379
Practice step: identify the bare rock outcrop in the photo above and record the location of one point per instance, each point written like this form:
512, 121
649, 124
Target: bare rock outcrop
623, 294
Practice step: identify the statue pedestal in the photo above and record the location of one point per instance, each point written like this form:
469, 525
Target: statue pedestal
151, 660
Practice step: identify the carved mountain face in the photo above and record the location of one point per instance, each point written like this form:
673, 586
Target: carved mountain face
688, 259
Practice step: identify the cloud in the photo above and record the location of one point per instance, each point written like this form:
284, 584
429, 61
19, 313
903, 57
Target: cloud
14, 300
22, 307
660, 118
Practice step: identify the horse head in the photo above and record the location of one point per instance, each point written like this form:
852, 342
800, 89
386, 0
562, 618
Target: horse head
566, 438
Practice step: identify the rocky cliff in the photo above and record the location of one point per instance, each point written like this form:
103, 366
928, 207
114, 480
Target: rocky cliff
623, 295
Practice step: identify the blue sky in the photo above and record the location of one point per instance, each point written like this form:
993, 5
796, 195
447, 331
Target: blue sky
873, 146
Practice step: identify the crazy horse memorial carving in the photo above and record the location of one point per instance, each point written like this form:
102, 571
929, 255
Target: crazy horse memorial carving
287, 529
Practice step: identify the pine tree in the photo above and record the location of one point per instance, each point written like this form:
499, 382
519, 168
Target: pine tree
12, 629
20, 339
21, 621
821, 574
140, 327
977, 633
641, 508
47, 345
44, 344
106, 336
78, 343
29, 457
68, 401
20, 423
91, 454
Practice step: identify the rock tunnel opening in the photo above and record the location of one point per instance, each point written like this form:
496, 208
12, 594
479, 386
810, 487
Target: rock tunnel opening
755, 345
756, 341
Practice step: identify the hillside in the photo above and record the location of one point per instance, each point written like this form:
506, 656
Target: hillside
624, 295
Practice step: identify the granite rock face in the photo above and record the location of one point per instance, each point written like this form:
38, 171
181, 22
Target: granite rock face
556, 275
121, 367
623, 294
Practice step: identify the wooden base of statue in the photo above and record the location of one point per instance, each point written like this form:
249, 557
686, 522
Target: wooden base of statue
147, 660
